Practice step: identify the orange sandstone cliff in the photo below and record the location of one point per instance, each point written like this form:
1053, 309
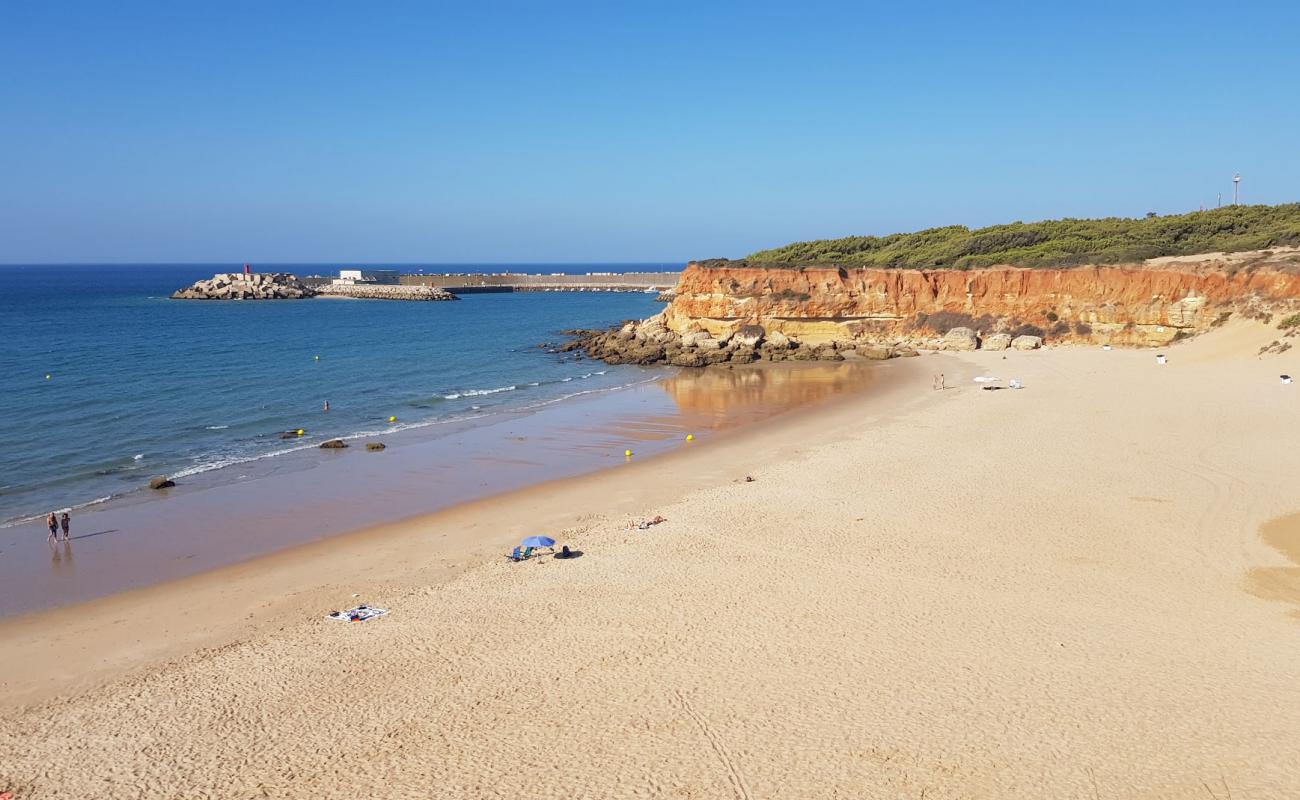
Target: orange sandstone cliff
735, 312
1145, 303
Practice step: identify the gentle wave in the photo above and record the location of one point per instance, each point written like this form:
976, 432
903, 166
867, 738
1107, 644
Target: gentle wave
23, 520
221, 463
480, 392
212, 463
516, 387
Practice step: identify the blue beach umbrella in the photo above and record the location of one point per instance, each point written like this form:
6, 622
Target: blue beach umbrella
538, 541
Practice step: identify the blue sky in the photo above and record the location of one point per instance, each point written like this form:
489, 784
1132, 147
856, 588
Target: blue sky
611, 131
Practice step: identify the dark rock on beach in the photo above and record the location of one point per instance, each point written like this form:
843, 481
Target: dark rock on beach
161, 482
374, 446
333, 444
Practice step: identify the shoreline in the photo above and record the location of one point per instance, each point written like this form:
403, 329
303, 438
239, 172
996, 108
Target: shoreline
1030, 593
314, 494
376, 548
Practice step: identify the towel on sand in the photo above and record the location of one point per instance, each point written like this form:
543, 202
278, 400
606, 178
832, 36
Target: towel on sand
358, 614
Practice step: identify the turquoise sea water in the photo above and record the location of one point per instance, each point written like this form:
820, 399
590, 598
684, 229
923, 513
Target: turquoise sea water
140, 385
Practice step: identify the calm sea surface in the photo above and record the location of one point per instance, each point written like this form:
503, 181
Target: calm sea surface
140, 385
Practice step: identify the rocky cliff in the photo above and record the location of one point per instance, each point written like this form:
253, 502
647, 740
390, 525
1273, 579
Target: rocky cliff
777, 311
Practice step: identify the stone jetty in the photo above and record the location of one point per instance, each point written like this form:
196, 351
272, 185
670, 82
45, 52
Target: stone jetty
239, 286
283, 286
372, 291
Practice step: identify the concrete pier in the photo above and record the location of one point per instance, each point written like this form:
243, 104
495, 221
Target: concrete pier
471, 283
507, 282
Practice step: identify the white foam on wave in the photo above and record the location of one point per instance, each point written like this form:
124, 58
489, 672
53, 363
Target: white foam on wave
23, 520
481, 392
217, 427
137, 456
498, 390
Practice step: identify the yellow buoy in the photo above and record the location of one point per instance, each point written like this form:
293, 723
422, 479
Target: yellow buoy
690, 437
392, 419
299, 431
627, 453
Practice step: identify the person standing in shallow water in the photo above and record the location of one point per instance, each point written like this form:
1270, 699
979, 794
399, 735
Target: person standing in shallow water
65, 522
53, 523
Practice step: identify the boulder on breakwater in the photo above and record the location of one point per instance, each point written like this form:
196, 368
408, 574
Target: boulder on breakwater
239, 286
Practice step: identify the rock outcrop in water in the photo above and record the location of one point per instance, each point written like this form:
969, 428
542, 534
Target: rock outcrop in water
239, 286
821, 313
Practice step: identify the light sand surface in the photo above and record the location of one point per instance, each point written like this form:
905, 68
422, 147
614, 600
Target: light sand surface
1055, 592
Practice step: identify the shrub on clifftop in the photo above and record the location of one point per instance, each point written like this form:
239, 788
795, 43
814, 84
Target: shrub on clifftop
1054, 243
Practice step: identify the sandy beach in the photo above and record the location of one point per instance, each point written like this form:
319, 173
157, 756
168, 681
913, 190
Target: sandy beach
1081, 589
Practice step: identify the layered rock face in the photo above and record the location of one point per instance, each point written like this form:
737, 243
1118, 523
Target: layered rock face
733, 311
238, 286
384, 292
1147, 303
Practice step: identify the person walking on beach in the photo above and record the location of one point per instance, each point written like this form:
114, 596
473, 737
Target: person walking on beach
938, 382
53, 523
65, 522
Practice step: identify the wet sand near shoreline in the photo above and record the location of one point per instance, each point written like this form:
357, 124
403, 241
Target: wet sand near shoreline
307, 496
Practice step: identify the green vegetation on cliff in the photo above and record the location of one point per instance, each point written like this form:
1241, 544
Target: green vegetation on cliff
1054, 243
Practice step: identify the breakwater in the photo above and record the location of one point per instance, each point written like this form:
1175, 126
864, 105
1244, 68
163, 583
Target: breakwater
374, 291
508, 282
246, 286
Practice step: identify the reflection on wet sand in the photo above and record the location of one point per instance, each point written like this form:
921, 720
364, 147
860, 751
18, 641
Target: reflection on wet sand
718, 399
714, 398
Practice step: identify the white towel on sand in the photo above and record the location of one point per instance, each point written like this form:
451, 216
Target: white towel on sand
358, 614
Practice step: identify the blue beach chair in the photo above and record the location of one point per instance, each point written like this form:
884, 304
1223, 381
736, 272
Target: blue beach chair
514, 554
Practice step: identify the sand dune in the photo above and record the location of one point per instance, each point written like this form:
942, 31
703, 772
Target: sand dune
1052, 592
